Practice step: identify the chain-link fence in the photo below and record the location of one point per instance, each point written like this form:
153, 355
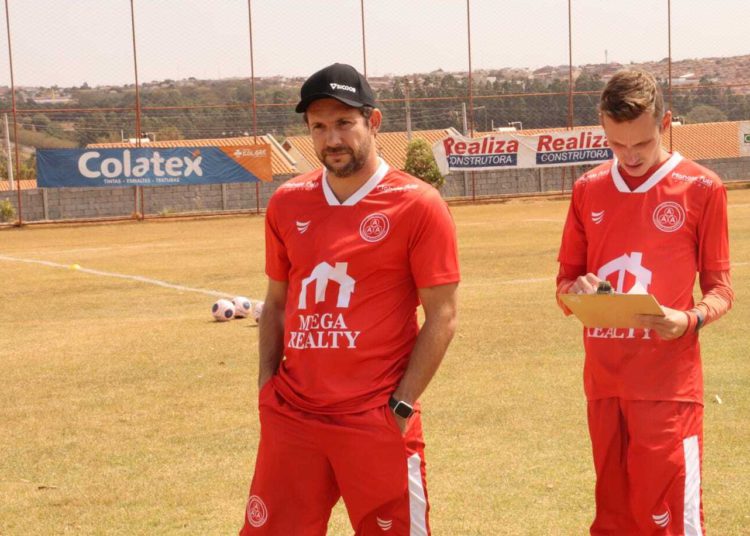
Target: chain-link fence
132, 73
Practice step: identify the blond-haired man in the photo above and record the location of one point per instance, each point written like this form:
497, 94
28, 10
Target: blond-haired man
646, 221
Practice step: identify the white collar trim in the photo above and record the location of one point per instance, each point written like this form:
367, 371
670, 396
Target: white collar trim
360, 194
665, 169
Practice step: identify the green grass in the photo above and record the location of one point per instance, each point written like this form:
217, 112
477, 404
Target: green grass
125, 410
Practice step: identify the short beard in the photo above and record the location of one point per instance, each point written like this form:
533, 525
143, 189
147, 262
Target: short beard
356, 162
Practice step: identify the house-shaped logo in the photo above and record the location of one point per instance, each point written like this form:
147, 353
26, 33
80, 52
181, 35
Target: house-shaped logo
321, 275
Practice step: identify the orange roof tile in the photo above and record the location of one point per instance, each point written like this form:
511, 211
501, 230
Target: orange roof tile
301, 148
701, 141
536, 131
281, 163
25, 185
391, 146
698, 141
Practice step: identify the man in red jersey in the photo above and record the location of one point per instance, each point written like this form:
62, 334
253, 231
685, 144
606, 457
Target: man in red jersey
647, 221
351, 250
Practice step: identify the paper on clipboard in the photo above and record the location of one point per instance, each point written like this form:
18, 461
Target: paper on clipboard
611, 310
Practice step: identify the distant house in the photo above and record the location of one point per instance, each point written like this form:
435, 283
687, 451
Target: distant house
685, 79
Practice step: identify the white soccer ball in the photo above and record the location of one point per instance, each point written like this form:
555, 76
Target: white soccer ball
257, 310
223, 310
242, 306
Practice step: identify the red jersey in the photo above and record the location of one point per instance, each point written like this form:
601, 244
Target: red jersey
656, 238
353, 270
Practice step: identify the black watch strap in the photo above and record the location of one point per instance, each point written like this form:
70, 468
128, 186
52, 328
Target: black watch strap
699, 319
400, 408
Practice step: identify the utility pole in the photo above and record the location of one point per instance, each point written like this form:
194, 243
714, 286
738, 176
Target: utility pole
7, 146
408, 112
463, 116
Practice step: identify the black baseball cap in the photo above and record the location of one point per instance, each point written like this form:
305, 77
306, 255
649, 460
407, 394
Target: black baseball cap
338, 81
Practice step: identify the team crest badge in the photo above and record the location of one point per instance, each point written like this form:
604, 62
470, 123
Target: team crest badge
257, 513
669, 216
374, 227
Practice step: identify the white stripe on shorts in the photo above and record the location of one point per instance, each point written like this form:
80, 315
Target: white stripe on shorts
692, 512
417, 499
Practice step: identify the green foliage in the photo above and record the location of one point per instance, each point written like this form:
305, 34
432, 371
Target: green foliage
7, 210
420, 162
28, 169
703, 113
169, 133
43, 139
192, 109
26, 172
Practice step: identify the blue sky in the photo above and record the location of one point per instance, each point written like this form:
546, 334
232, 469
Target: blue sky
67, 43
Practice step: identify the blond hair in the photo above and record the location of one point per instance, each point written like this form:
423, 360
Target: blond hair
629, 94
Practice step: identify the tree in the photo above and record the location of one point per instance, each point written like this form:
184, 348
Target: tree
703, 113
40, 122
421, 163
169, 133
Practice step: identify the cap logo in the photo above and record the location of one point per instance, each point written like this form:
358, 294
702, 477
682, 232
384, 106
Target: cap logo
334, 85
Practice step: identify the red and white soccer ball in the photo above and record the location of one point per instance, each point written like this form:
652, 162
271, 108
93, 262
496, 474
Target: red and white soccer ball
223, 310
242, 306
257, 310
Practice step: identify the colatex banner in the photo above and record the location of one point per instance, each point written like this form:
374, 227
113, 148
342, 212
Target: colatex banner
505, 151
152, 167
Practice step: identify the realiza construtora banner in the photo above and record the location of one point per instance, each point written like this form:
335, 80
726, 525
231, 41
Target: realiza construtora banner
152, 167
504, 151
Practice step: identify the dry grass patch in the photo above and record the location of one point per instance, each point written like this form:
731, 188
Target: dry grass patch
126, 410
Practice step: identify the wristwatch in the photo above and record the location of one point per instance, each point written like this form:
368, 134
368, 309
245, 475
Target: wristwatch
401, 408
699, 319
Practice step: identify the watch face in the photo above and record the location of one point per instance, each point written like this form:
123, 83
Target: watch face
403, 410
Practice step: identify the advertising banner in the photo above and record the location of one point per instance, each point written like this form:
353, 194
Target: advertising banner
60, 168
745, 138
507, 151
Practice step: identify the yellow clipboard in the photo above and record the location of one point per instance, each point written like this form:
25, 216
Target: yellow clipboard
611, 310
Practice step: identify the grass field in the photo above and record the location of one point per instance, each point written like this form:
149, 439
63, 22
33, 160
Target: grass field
125, 410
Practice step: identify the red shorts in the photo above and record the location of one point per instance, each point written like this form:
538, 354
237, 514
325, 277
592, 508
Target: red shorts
307, 461
647, 456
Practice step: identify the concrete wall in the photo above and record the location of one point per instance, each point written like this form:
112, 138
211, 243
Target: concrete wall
529, 181
729, 169
78, 203
510, 182
83, 203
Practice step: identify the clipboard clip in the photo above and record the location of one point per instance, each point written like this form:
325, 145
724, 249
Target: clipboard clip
604, 287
